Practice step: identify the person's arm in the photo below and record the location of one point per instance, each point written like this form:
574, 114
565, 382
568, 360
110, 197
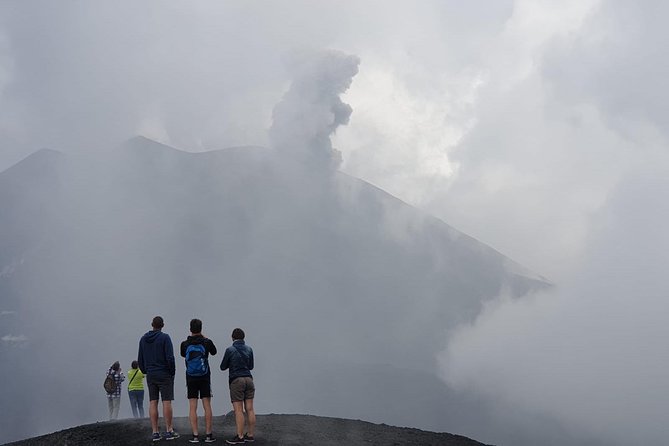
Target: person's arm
183, 349
250, 358
211, 347
169, 355
225, 363
140, 358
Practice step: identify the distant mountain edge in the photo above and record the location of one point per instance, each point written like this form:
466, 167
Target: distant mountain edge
149, 149
271, 430
44, 162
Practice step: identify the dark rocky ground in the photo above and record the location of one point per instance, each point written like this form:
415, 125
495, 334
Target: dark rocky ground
271, 430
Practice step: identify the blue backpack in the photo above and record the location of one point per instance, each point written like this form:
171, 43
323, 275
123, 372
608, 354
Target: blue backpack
196, 360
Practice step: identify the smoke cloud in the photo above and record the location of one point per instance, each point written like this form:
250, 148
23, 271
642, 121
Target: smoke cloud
590, 353
537, 128
311, 110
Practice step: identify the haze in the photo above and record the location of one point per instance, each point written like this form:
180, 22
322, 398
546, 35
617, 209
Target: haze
538, 128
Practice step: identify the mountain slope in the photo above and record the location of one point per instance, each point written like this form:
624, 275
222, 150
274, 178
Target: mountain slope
271, 430
324, 271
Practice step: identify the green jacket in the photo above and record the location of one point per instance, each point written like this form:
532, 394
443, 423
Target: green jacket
136, 376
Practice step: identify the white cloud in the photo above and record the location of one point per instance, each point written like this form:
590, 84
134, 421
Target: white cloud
400, 141
567, 170
14, 339
579, 351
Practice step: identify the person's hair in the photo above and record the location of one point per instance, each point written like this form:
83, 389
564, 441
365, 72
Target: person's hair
237, 334
195, 326
157, 322
134, 365
115, 366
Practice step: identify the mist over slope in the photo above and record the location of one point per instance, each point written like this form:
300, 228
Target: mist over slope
331, 278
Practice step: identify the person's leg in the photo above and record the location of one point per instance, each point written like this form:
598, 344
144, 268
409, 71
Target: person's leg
192, 393
140, 403
238, 407
153, 414
237, 387
251, 415
110, 403
154, 394
167, 393
116, 405
167, 414
249, 394
205, 396
192, 415
132, 397
208, 416
131, 400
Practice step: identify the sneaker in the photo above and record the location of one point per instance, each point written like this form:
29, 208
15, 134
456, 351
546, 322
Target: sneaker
249, 438
210, 438
195, 439
171, 435
235, 440
156, 436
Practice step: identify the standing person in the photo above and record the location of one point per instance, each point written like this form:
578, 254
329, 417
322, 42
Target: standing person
114, 398
136, 390
239, 359
196, 350
156, 360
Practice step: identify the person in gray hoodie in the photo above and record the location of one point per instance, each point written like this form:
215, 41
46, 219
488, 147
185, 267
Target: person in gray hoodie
156, 360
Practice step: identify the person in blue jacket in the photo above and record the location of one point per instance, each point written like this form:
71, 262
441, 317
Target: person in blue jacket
156, 360
238, 359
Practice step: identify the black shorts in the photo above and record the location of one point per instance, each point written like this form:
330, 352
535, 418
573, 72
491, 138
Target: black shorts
199, 387
163, 386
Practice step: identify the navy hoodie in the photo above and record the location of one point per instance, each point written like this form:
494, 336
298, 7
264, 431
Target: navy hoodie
156, 355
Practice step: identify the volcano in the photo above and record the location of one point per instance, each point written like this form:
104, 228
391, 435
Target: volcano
346, 292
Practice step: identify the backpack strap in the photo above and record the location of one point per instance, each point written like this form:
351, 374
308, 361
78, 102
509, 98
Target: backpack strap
246, 362
133, 377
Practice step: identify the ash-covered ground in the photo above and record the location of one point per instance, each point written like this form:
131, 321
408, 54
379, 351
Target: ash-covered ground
271, 430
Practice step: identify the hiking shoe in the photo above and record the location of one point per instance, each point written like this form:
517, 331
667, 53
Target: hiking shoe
156, 436
235, 440
195, 439
171, 435
249, 438
209, 438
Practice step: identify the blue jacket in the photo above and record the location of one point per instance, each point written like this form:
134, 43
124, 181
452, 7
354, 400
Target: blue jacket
156, 355
239, 359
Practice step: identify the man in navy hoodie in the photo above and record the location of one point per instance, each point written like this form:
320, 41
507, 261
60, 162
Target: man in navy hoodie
156, 361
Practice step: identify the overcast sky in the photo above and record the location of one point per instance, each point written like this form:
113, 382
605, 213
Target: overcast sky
538, 127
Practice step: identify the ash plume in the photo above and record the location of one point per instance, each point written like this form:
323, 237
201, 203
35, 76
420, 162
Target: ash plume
311, 109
